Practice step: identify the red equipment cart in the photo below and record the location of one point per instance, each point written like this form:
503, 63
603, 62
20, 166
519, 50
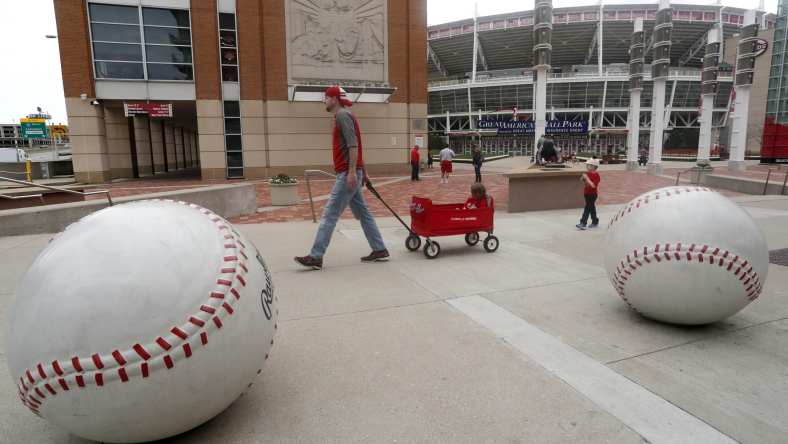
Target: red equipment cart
430, 220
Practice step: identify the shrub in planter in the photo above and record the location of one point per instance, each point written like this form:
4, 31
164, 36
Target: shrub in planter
284, 190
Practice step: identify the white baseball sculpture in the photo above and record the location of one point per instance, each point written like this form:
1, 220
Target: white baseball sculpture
685, 255
141, 321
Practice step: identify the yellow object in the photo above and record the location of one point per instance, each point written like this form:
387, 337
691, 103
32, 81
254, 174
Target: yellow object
29, 170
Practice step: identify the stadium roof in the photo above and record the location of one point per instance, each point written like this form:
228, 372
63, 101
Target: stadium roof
506, 40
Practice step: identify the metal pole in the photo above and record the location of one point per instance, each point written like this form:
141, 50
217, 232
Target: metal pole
782, 190
766, 185
311, 202
678, 175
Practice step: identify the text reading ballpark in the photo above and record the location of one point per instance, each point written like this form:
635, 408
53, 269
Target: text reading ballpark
555, 126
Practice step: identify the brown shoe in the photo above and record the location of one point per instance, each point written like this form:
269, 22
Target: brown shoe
310, 262
376, 256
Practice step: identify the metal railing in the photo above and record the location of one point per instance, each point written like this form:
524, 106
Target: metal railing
50, 187
697, 181
308, 173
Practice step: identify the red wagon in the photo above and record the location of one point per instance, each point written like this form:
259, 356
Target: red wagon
431, 220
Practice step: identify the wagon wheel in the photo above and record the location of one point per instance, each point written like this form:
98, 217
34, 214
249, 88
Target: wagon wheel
491, 244
472, 238
413, 242
432, 249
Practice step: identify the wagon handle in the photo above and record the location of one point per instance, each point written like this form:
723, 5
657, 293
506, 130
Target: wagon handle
375, 193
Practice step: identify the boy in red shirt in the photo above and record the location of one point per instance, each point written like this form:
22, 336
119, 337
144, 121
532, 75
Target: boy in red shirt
414, 163
590, 192
479, 198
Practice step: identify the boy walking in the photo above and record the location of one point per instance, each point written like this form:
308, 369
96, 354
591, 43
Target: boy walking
414, 163
349, 166
590, 192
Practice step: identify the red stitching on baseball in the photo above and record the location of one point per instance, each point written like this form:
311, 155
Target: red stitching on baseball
32, 395
208, 309
748, 276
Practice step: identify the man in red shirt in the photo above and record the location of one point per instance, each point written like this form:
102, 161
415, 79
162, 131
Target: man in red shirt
349, 166
414, 163
590, 192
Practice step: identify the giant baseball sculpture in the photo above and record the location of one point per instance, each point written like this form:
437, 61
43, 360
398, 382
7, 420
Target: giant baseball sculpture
141, 321
685, 255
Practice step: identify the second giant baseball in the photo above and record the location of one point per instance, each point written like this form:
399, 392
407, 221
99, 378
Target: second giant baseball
685, 255
140, 321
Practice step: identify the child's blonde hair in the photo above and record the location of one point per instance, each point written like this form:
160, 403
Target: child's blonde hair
478, 186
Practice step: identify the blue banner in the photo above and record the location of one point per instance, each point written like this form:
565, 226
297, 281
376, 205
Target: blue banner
556, 126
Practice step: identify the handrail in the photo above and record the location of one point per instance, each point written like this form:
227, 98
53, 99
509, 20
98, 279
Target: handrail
678, 175
49, 187
307, 173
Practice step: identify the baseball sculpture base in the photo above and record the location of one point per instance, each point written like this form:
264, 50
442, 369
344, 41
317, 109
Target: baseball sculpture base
537, 189
685, 255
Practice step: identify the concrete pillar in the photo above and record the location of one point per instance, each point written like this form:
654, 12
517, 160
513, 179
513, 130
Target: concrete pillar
118, 143
635, 87
142, 142
169, 138
708, 91
87, 132
157, 142
256, 160
742, 105
178, 133
660, 69
210, 130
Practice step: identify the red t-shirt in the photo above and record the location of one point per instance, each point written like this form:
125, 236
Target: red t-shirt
594, 177
346, 134
476, 203
414, 155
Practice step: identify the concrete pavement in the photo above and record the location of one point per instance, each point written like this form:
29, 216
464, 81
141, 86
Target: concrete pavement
394, 352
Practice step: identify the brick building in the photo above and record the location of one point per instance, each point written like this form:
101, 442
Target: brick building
244, 79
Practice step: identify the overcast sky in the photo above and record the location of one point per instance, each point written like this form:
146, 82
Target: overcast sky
30, 76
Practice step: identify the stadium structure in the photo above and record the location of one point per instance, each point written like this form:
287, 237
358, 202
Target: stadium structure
482, 70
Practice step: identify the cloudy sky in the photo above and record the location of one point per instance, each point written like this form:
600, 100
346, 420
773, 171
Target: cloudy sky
30, 76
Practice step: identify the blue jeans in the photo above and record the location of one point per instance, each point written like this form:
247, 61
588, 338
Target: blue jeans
339, 199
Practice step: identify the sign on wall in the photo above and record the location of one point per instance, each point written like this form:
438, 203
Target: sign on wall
33, 128
556, 126
330, 40
153, 110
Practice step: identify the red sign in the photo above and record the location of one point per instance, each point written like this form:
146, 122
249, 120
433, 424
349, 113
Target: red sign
151, 109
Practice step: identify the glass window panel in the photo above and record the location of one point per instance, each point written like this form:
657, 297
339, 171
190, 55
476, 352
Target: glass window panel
117, 51
158, 71
171, 36
229, 73
235, 159
232, 143
235, 172
232, 109
114, 14
229, 56
168, 54
226, 21
227, 38
232, 126
116, 33
165, 17
117, 70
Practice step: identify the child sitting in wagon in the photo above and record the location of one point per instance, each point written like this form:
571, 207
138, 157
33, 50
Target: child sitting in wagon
479, 197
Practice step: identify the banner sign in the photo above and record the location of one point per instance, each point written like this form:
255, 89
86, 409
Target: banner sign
150, 109
556, 126
34, 128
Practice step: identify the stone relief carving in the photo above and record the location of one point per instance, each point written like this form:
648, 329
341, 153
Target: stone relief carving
337, 40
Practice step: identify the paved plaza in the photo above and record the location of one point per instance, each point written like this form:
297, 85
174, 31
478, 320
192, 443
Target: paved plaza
529, 344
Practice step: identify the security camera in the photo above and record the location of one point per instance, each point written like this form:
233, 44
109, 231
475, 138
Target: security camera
95, 102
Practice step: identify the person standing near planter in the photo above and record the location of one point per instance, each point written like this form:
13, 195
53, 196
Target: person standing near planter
347, 190
414, 163
478, 160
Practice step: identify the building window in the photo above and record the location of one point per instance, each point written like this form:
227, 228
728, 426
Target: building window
228, 47
233, 147
135, 43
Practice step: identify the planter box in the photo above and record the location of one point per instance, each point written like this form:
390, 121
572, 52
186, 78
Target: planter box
284, 194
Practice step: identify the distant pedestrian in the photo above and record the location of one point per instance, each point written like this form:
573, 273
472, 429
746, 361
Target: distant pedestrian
590, 193
429, 159
414, 163
446, 156
478, 160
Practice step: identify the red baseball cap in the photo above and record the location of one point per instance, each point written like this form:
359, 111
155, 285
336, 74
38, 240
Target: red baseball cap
338, 91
